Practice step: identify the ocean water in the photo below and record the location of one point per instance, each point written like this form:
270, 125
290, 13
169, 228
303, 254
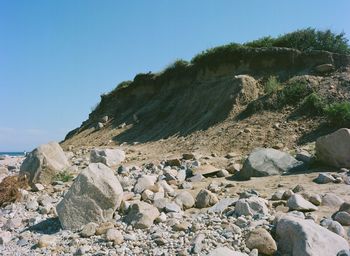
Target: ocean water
12, 153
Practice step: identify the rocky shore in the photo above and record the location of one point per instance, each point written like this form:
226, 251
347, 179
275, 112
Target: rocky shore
99, 201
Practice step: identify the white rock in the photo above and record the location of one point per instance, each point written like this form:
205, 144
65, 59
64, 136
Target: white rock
144, 182
93, 197
224, 251
306, 238
141, 215
44, 162
297, 202
109, 157
251, 206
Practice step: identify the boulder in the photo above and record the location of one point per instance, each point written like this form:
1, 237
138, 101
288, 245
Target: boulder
43, 163
343, 218
251, 206
298, 203
300, 237
93, 197
109, 157
260, 239
332, 200
334, 149
141, 215
268, 161
205, 198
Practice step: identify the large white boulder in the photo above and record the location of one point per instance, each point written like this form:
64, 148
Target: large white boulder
93, 197
43, 163
299, 237
267, 162
334, 149
109, 157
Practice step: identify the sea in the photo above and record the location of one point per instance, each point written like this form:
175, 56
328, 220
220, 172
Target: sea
12, 153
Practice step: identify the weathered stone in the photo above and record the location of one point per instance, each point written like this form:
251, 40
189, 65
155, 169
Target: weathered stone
205, 198
262, 240
305, 238
297, 202
103, 227
5, 237
172, 207
93, 197
331, 200
343, 218
333, 226
251, 206
185, 200
89, 229
43, 163
222, 205
114, 235
268, 161
109, 157
334, 149
324, 178
315, 199
141, 215
144, 182
47, 241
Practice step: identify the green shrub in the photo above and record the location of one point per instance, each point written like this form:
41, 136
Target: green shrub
314, 104
311, 39
338, 113
64, 176
266, 41
294, 93
272, 85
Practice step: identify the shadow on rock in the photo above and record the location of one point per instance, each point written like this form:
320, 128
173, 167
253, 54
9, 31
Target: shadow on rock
48, 227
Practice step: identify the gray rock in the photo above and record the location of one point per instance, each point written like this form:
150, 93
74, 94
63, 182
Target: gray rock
205, 198
185, 200
93, 197
306, 238
144, 182
334, 149
89, 229
196, 178
268, 161
324, 178
43, 163
222, 205
333, 226
141, 215
114, 235
32, 205
109, 157
297, 202
343, 218
251, 206
172, 207
197, 243
331, 200
344, 253
260, 239
315, 199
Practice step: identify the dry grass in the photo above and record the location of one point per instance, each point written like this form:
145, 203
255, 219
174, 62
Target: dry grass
9, 188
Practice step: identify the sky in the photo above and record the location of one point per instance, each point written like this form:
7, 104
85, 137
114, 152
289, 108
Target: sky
57, 57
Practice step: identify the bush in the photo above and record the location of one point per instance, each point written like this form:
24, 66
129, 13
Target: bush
294, 93
266, 41
314, 104
64, 176
338, 113
272, 85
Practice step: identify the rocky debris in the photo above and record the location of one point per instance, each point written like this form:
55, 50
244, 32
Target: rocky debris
109, 157
205, 198
298, 203
262, 240
141, 215
296, 236
268, 161
334, 149
44, 163
251, 206
93, 197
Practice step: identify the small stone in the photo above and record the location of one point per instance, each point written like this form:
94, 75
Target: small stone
32, 205
298, 188
297, 202
182, 226
287, 194
103, 227
38, 187
114, 235
262, 240
324, 178
172, 207
5, 237
315, 199
185, 200
333, 226
205, 198
89, 229
343, 218
46, 241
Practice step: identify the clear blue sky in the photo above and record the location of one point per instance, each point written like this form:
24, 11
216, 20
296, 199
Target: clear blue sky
58, 56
